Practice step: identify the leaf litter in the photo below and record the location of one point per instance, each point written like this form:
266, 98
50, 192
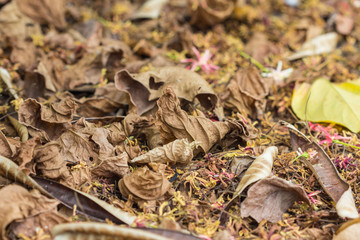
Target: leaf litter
166, 118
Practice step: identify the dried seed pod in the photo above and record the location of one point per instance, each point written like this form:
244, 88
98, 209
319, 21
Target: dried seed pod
179, 151
101, 231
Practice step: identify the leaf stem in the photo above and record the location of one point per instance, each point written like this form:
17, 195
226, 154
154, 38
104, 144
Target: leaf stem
345, 144
253, 61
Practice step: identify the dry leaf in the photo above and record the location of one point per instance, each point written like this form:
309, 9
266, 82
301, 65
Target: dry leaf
46, 122
20, 129
145, 184
26, 154
174, 123
8, 146
16, 25
91, 205
112, 167
44, 11
50, 162
321, 44
240, 164
20, 204
179, 151
145, 88
270, 197
207, 13
55, 40
247, 92
25, 54
259, 47
83, 231
326, 173
260, 168
350, 230
150, 9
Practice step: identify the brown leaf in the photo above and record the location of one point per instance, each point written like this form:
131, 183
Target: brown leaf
50, 163
145, 184
90, 205
26, 154
106, 100
325, 172
8, 146
240, 164
54, 40
247, 92
16, 25
207, 13
112, 167
19, 204
270, 198
145, 88
46, 122
24, 53
174, 123
44, 11
113, 53
259, 47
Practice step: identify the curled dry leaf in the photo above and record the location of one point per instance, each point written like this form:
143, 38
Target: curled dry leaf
321, 44
20, 204
270, 197
47, 122
175, 123
145, 88
11, 171
90, 205
260, 168
247, 92
8, 146
83, 231
350, 230
25, 155
24, 53
207, 13
259, 47
179, 151
145, 184
150, 9
20, 129
326, 173
44, 11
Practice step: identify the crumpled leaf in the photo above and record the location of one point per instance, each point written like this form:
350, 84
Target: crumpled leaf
270, 197
326, 173
175, 123
50, 163
47, 122
16, 25
145, 88
321, 44
20, 204
350, 230
106, 100
112, 167
92, 230
150, 9
240, 164
247, 92
25, 155
329, 102
54, 40
179, 152
207, 13
8, 146
145, 184
44, 11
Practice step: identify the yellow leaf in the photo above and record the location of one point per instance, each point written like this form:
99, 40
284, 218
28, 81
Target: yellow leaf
329, 102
